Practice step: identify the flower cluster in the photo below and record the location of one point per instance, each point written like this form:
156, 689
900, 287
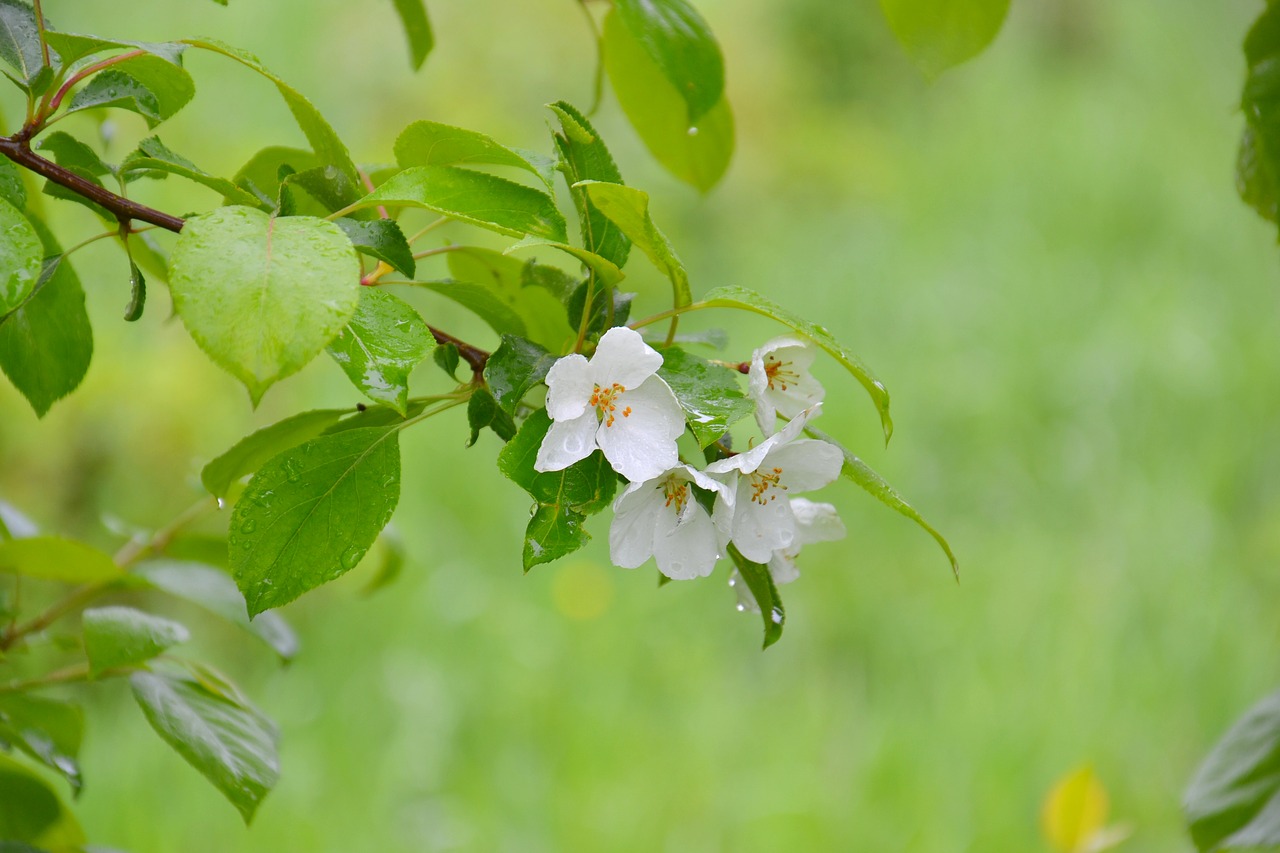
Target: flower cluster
682, 517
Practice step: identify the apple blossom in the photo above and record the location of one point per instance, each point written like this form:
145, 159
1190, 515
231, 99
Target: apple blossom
815, 522
661, 518
779, 381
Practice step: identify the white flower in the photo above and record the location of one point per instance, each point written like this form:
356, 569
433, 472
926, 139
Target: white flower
750, 514
815, 522
661, 518
779, 380
615, 402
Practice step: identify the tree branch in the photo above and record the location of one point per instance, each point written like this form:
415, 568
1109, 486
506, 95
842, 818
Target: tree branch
473, 356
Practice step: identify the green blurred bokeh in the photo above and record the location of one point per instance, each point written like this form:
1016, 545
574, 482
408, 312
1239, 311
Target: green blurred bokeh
1043, 257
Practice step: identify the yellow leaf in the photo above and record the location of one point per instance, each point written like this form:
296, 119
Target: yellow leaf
1075, 811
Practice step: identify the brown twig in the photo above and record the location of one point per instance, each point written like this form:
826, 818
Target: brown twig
473, 356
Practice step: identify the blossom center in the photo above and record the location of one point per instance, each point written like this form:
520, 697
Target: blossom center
779, 372
765, 485
677, 492
605, 402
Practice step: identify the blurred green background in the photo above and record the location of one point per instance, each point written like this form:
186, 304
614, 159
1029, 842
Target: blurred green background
1042, 255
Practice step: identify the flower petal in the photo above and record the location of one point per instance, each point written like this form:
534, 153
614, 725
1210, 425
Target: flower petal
816, 522
688, 551
636, 513
807, 465
759, 529
782, 566
569, 387
623, 357
640, 443
566, 443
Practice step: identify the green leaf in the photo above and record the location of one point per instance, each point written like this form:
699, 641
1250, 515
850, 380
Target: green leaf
153, 159
215, 591
137, 294
260, 177
481, 301
480, 199
12, 189
232, 743
47, 344
417, 28
483, 411
680, 43
54, 559
628, 208
1233, 802
20, 40
765, 592
697, 155
121, 636
148, 85
1256, 178
324, 141
381, 346
263, 295
748, 300
938, 34
73, 47
312, 512
381, 239
253, 451
388, 559
533, 292
607, 273
20, 255
710, 395
584, 157
873, 484
48, 730
554, 532
430, 143
31, 812
1258, 162
447, 358
514, 369
75, 156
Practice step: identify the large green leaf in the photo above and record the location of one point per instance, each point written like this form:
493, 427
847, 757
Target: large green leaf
1233, 802
417, 29
122, 636
710, 395
765, 592
32, 813
732, 296
514, 369
324, 141
20, 40
47, 344
54, 559
48, 730
475, 197
20, 255
628, 208
310, 514
680, 43
263, 295
430, 143
938, 34
148, 85
696, 155
73, 47
534, 292
607, 272
232, 743
878, 487
584, 157
153, 159
253, 451
381, 346
215, 591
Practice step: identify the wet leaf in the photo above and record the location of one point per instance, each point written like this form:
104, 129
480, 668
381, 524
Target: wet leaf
122, 636
380, 347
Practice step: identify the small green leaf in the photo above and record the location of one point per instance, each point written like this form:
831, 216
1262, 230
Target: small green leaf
710, 395
381, 239
555, 531
47, 344
21, 253
137, 294
586, 487
1233, 802
73, 47
71, 153
430, 143
697, 155
20, 40
310, 514
54, 559
388, 558
873, 484
765, 592
381, 346
600, 316
417, 29
216, 592
1258, 162
680, 43
1255, 176
261, 176
732, 296
236, 272
938, 34
324, 141
149, 85
232, 743
607, 273
584, 157
31, 812
121, 636
628, 208
481, 300
446, 358
153, 159
253, 451
483, 411
515, 368
475, 197
48, 730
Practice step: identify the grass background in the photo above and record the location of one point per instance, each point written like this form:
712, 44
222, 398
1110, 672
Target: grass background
1043, 257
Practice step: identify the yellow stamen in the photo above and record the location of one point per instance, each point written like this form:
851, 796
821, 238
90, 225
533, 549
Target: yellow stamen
603, 401
762, 482
677, 492
776, 371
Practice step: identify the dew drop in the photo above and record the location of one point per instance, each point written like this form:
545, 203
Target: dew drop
742, 608
350, 558
222, 504
693, 131
249, 526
